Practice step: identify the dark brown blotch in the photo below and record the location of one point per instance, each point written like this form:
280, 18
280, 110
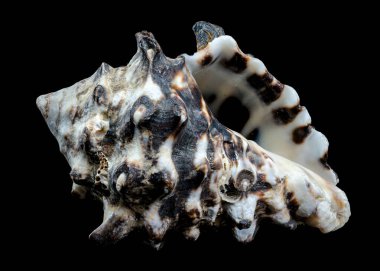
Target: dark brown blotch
244, 224
230, 190
264, 88
286, 115
323, 160
229, 149
206, 60
289, 195
72, 113
238, 144
292, 203
300, 133
261, 184
100, 95
271, 93
237, 63
259, 81
76, 113
262, 208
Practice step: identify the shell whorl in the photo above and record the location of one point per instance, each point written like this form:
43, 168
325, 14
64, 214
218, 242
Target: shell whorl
142, 140
276, 121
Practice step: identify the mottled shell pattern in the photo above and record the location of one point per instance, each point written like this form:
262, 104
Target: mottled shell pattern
142, 140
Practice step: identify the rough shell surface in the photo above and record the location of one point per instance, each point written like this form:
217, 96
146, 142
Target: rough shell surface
142, 140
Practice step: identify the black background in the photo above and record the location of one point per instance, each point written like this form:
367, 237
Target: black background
314, 49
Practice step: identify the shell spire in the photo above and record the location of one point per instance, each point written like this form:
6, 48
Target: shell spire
147, 44
142, 140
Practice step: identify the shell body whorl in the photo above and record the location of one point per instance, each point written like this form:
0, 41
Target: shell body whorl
142, 140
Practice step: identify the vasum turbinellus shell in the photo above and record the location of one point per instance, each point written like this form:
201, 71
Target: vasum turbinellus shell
142, 140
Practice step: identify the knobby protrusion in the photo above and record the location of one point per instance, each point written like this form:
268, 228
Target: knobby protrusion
147, 44
117, 224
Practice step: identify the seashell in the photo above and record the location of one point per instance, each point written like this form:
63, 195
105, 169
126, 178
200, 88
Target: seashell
142, 140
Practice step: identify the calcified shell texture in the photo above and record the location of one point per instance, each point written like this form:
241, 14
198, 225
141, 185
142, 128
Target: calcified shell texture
142, 140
